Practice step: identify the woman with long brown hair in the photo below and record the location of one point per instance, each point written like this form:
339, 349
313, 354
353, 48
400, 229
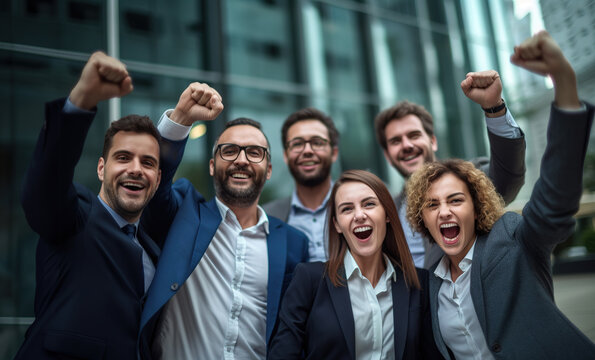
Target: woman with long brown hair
368, 301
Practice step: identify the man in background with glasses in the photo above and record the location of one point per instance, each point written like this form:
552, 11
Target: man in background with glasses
311, 146
225, 264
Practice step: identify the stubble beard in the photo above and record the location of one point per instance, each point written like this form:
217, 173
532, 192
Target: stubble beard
240, 197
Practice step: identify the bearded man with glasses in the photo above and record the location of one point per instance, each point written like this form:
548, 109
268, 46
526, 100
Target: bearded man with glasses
225, 264
311, 144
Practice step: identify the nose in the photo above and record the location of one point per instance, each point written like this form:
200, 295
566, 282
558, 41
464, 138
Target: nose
242, 158
308, 148
407, 144
444, 211
135, 167
360, 214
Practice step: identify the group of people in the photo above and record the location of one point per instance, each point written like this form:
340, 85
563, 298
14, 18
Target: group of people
150, 269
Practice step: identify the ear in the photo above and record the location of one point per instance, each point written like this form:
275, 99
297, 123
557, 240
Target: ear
212, 167
100, 168
269, 170
337, 226
335, 153
434, 142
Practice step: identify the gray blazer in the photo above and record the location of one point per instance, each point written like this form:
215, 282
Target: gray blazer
511, 280
279, 208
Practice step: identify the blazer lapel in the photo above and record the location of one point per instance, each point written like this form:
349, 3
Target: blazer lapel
342, 304
400, 294
476, 288
277, 258
435, 283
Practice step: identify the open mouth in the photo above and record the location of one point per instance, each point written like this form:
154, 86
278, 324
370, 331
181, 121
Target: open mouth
240, 176
410, 157
363, 232
450, 231
133, 186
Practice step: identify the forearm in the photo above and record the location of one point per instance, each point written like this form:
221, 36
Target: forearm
48, 191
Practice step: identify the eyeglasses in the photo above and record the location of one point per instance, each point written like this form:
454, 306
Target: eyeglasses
230, 152
298, 144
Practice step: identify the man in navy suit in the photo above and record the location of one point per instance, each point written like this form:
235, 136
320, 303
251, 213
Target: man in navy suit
91, 275
225, 264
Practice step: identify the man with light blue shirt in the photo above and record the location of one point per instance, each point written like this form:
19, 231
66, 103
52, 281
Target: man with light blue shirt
406, 133
311, 145
94, 263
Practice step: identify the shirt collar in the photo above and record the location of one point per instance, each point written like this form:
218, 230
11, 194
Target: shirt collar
225, 211
443, 269
119, 220
296, 203
351, 267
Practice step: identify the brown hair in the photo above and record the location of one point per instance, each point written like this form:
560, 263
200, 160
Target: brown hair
310, 114
398, 111
487, 203
394, 245
135, 123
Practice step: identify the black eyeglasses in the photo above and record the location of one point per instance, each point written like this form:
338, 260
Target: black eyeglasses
230, 152
298, 144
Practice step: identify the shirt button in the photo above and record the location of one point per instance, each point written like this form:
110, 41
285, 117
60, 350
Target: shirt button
314, 219
496, 347
174, 286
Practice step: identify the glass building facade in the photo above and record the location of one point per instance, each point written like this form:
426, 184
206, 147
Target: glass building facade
268, 58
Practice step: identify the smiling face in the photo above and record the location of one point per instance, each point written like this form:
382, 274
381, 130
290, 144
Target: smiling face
239, 182
130, 173
309, 167
408, 145
361, 219
450, 216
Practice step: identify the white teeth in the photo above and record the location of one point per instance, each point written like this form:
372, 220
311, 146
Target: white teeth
449, 225
239, 176
132, 185
410, 157
362, 229
308, 163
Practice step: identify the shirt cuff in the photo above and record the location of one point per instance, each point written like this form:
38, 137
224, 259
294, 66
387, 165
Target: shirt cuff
70, 108
172, 130
504, 126
572, 111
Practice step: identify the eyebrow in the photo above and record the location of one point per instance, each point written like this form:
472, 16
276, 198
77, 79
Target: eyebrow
126, 152
363, 200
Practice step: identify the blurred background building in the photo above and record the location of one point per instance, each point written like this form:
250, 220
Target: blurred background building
269, 58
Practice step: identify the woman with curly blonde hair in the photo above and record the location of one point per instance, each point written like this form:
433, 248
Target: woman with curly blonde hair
491, 293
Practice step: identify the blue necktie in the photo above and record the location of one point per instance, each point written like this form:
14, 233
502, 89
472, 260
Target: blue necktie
130, 230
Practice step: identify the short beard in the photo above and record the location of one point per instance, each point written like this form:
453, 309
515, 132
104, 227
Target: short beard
237, 197
310, 180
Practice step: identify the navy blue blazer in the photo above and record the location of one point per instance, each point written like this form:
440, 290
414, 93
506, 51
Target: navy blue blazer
316, 320
192, 222
89, 278
511, 279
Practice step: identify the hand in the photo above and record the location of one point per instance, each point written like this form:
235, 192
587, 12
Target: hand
102, 78
199, 102
483, 87
542, 55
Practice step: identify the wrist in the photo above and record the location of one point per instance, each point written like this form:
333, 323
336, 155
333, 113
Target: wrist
498, 109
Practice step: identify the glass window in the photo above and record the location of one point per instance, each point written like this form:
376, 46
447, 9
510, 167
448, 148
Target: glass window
162, 32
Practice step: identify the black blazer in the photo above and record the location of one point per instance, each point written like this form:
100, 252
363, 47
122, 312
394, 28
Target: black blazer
316, 321
89, 278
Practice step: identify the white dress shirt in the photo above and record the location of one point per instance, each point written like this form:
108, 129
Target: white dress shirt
220, 311
372, 311
457, 318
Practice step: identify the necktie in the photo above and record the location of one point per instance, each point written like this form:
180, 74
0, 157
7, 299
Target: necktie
129, 230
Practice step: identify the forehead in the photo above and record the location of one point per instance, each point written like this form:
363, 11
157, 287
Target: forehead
353, 192
243, 135
142, 144
306, 129
404, 125
447, 185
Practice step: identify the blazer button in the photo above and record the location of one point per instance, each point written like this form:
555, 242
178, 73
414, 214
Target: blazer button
496, 347
174, 286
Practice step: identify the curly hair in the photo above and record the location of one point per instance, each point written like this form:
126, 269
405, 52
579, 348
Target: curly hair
487, 203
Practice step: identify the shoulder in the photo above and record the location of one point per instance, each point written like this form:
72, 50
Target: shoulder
310, 270
275, 205
184, 188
